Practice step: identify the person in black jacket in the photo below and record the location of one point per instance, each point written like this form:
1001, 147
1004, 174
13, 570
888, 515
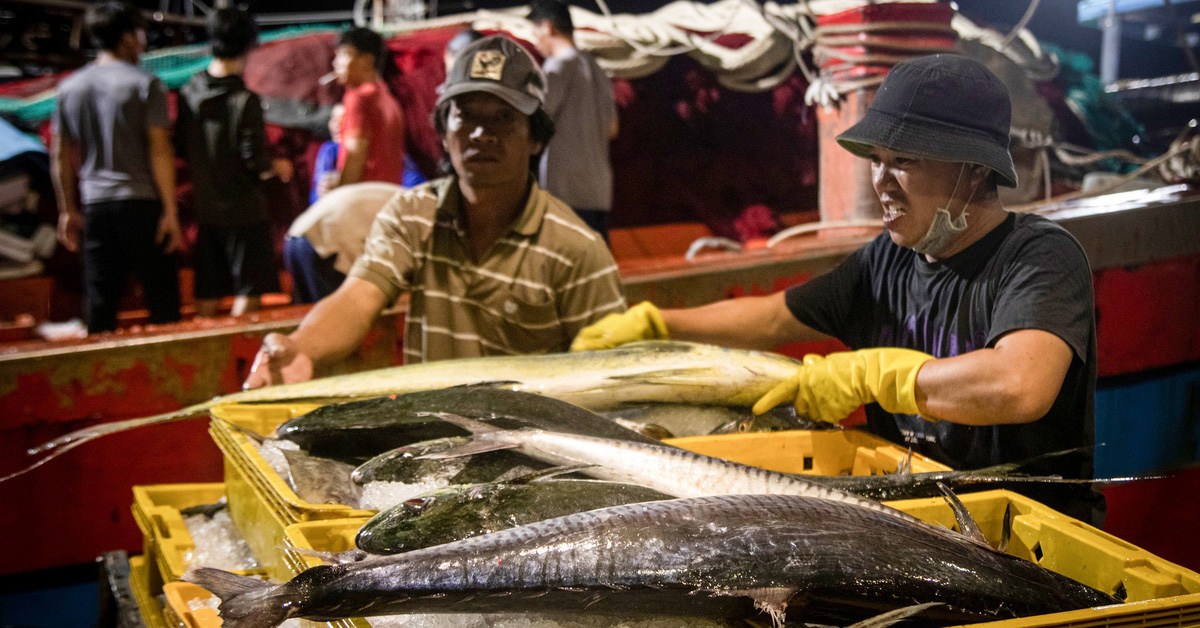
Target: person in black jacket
220, 131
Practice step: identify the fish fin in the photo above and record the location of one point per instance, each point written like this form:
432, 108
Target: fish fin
894, 616
905, 466
649, 430
1006, 529
966, 523
251, 434
486, 438
546, 474
245, 602
771, 600
470, 425
331, 558
664, 377
61, 445
496, 383
208, 510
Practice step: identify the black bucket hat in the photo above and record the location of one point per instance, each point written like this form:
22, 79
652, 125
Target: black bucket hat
943, 107
498, 66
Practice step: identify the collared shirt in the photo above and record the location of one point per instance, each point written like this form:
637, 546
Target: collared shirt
542, 282
371, 111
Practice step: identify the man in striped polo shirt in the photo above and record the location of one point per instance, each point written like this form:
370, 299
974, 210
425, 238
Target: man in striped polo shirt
493, 264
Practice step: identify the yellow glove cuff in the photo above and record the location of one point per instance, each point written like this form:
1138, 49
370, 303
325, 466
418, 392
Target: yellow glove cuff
658, 327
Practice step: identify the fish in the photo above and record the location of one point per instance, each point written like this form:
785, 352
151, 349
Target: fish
319, 480
688, 419
372, 426
731, 556
671, 470
457, 512
407, 464
650, 371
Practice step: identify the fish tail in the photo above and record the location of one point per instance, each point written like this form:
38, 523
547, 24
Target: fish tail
245, 602
61, 445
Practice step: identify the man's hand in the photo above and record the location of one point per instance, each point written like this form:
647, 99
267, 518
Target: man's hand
830, 388
169, 235
284, 169
278, 362
640, 322
70, 223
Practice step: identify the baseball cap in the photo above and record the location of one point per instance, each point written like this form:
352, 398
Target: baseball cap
945, 107
499, 66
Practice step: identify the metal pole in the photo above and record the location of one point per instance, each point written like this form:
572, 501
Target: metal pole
1110, 49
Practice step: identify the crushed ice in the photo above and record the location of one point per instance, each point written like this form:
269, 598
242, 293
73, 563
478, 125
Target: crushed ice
218, 543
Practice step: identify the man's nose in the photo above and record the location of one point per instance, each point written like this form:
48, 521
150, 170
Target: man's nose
481, 133
882, 177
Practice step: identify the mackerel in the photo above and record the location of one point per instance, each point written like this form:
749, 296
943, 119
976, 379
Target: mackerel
728, 556
653, 371
671, 470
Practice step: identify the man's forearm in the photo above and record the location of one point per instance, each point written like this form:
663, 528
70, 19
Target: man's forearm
62, 173
336, 325
162, 169
355, 165
761, 323
1016, 381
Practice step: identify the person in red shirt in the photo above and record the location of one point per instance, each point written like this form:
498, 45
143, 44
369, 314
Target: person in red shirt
372, 127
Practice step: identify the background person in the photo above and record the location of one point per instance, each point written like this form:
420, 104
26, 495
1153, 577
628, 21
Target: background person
579, 98
111, 119
371, 134
221, 133
493, 264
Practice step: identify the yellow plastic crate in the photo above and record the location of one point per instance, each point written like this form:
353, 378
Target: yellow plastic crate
165, 537
178, 612
148, 604
1159, 593
828, 452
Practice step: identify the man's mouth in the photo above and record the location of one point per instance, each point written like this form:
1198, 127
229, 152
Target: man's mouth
892, 212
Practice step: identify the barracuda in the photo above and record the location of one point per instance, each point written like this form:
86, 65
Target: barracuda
657, 371
729, 556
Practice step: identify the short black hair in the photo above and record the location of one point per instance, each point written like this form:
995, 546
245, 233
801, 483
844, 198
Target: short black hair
365, 41
541, 129
462, 40
554, 11
107, 22
232, 33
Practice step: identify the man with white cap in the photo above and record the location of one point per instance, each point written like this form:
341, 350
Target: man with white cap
972, 327
493, 264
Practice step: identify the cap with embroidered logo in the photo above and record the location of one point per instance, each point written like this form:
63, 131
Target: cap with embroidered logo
499, 66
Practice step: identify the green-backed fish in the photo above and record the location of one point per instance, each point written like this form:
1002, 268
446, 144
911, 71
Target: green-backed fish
656, 371
373, 426
457, 512
410, 465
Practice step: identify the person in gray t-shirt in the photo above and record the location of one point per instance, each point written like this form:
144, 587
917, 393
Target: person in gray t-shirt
579, 98
111, 119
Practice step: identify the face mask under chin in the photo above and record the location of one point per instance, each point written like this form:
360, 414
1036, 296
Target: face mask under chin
944, 229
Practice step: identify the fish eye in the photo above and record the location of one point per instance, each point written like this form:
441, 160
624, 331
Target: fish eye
416, 503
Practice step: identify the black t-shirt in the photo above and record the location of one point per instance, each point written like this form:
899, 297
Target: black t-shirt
1027, 273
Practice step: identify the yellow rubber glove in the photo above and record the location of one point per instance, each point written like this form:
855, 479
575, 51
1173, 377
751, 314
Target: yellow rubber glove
830, 388
640, 322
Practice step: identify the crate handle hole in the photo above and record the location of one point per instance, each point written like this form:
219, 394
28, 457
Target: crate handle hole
1037, 552
808, 463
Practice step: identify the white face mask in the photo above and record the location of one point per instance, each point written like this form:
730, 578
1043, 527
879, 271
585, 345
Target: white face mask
944, 229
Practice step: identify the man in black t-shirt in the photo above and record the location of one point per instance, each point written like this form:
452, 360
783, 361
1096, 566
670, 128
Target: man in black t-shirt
973, 328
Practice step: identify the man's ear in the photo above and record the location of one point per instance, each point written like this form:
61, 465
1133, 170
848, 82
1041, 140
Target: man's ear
979, 174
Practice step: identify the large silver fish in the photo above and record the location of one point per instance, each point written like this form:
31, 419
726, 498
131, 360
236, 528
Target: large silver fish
727, 556
657, 371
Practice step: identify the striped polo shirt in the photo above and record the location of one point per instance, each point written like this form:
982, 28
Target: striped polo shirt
546, 279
